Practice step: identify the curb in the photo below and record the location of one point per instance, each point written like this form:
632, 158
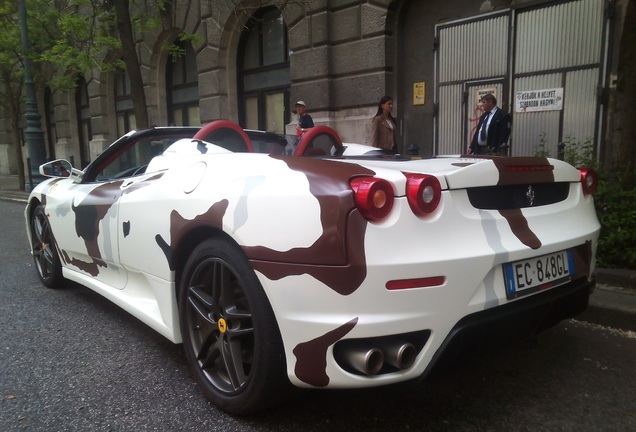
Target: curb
613, 302
611, 306
14, 195
616, 277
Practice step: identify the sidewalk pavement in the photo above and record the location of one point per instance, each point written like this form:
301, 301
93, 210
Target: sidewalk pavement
10, 189
612, 304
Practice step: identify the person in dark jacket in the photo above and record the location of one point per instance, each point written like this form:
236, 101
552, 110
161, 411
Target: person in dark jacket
493, 130
304, 120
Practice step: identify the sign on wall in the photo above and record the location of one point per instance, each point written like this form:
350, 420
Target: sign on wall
539, 100
483, 91
419, 93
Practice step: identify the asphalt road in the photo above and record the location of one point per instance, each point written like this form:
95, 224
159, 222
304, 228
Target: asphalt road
71, 361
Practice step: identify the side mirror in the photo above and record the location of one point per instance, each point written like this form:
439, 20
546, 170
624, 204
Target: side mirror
56, 168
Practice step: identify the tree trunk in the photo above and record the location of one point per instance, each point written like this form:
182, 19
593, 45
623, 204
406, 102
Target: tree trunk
124, 27
18, 151
623, 153
12, 111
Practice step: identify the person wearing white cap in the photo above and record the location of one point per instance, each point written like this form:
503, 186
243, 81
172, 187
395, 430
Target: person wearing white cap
304, 120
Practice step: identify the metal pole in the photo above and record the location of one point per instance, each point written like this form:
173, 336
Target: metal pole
29, 175
33, 134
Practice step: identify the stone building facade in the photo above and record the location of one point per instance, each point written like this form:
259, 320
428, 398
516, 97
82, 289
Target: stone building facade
340, 57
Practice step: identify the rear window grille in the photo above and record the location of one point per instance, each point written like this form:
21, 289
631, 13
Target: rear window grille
517, 196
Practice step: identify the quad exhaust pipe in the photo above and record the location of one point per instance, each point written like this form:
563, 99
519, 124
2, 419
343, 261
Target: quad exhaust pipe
400, 355
370, 360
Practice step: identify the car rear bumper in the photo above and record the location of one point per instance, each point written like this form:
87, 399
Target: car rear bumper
493, 328
326, 334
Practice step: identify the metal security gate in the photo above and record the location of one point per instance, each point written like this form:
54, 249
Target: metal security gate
558, 47
546, 66
471, 55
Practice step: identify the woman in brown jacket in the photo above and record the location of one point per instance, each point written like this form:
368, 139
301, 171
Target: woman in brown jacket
383, 126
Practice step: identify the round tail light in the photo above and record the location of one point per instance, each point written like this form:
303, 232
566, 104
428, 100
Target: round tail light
423, 193
373, 197
589, 180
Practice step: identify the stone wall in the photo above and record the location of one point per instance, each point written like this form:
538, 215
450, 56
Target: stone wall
343, 56
4, 160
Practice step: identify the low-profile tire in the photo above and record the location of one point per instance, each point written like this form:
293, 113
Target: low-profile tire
230, 336
44, 249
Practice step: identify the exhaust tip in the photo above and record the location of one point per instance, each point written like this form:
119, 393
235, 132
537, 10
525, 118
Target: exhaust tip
406, 356
400, 354
373, 361
368, 361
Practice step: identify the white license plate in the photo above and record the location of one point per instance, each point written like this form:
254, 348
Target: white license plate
535, 274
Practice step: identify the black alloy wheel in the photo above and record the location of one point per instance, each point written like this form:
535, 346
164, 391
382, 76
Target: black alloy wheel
47, 260
229, 332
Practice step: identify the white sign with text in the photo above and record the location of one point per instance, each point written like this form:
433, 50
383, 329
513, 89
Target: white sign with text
539, 100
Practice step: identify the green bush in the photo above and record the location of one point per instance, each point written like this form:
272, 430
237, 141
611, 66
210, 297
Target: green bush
614, 202
616, 212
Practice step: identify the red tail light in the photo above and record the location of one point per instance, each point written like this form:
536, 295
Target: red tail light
589, 180
423, 193
373, 197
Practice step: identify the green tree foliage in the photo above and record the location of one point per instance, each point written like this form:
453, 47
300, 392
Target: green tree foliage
80, 41
11, 74
11, 70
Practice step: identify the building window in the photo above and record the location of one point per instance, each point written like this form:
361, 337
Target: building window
263, 68
123, 103
83, 114
183, 88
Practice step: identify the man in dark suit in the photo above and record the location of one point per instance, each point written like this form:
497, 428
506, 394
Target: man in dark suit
493, 130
